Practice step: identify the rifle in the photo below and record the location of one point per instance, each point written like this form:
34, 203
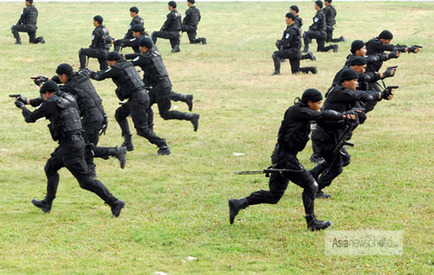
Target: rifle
343, 141
267, 171
15, 95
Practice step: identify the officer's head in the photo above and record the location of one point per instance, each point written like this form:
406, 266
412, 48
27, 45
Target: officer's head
349, 79
290, 18
28, 2
294, 9
145, 44
113, 58
312, 98
97, 20
172, 5
385, 37
137, 30
358, 48
134, 11
327, 2
64, 71
48, 89
358, 64
318, 5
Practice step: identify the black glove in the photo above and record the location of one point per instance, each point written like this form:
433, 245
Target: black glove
386, 93
22, 99
388, 72
393, 54
38, 82
412, 49
19, 104
104, 125
92, 74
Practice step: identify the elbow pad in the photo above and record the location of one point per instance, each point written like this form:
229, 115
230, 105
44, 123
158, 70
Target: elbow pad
366, 97
332, 115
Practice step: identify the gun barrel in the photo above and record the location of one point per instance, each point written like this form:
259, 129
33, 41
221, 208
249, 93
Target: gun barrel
15, 95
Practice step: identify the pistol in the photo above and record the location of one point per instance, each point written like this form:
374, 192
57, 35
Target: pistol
15, 95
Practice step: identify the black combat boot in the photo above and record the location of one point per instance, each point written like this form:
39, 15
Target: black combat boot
43, 205
321, 195
314, 224
128, 143
306, 70
342, 38
18, 42
235, 206
311, 56
275, 73
176, 49
335, 48
189, 102
195, 121
119, 153
164, 150
306, 49
203, 40
116, 207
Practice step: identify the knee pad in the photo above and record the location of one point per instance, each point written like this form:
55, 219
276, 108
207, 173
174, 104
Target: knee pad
117, 115
276, 198
166, 115
13, 28
313, 186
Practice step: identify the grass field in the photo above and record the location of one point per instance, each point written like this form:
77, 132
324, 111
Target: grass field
176, 206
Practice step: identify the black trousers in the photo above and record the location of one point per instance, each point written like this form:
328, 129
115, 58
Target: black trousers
160, 95
320, 40
279, 182
138, 107
191, 33
70, 154
29, 29
330, 38
173, 36
324, 142
100, 54
293, 56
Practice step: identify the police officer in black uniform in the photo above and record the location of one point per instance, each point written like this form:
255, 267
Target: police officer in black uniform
289, 47
65, 127
157, 79
101, 42
298, 20
342, 98
380, 44
293, 136
190, 22
138, 33
330, 14
137, 20
27, 23
318, 31
171, 28
131, 87
94, 119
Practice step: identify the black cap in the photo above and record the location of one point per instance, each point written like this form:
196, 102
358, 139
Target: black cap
98, 18
49, 86
357, 45
348, 74
30, 1
137, 28
191, 1
329, 1
311, 95
134, 9
172, 4
114, 56
294, 8
64, 68
319, 4
358, 60
146, 42
386, 35
291, 16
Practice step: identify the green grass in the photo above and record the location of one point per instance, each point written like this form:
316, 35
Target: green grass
177, 205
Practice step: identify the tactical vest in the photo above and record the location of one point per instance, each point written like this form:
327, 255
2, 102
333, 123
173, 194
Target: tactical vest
68, 120
176, 23
130, 72
87, 98
157, 64
297, 43
32, 17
